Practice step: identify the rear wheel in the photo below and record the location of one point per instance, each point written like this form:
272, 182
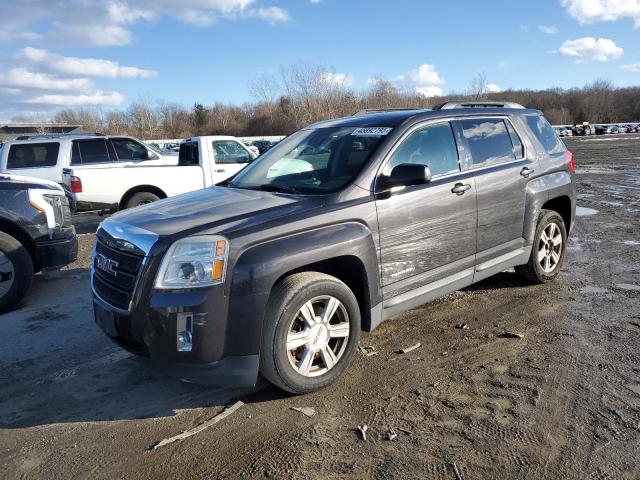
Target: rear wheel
548, 250
141, 198
16, 272
311, 332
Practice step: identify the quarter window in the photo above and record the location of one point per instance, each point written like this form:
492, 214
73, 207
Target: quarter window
545, 133
33, 155
86, 152
228, 151
433, 146
488, 140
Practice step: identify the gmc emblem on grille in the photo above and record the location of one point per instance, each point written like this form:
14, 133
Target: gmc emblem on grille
106, 264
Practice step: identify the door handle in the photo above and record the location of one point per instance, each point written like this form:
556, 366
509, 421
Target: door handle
460, 188
220, 170
526, 171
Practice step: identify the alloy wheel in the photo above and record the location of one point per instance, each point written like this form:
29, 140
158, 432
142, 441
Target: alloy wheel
318, 336
550, 247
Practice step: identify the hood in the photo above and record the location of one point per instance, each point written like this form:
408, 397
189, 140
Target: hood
212, 208
29, 182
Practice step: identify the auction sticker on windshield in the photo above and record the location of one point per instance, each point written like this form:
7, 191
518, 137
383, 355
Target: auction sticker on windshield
371, 131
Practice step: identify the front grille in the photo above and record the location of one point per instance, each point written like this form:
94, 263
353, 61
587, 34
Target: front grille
117, 285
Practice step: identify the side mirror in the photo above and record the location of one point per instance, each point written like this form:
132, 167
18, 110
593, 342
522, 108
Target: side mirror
406, 174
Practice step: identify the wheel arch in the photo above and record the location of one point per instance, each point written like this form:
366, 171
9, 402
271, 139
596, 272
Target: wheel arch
551, 191
346, 251
561, 205
137, 189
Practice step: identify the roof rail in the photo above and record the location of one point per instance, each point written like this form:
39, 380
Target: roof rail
59, 135
477, 104
369, 111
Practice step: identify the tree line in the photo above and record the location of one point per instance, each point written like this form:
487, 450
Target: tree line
302, 94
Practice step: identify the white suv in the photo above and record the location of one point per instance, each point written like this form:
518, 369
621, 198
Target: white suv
45, 156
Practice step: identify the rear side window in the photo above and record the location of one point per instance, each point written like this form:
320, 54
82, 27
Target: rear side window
33, 155
189, 154
228, 151
545, 133
86, 152
433, 146
488, 140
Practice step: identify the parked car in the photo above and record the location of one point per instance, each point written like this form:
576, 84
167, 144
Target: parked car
279, 273
35, 233
262, 145
202, 162
46, 156
563, 131
252, 148
605, 129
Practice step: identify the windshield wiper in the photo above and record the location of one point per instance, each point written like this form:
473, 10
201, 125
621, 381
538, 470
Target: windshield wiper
271, 187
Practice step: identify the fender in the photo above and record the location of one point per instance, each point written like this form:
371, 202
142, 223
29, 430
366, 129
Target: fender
258, 268
539, 191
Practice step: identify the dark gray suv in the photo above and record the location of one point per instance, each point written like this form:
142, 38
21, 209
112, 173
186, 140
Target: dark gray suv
339, 227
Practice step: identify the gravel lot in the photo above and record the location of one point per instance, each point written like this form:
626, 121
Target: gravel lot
561, 402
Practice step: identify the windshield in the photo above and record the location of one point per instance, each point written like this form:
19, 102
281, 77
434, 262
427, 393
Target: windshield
312, 161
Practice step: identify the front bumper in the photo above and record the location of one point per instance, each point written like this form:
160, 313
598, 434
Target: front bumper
58, 252
151, 331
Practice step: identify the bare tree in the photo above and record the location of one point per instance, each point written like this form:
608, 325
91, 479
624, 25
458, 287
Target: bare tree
478, 86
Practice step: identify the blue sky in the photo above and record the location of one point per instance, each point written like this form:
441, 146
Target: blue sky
109, 53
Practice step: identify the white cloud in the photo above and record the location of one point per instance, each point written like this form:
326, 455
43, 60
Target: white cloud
493, 88
424, 75
25, 79
86, 67
96, 98
197, 18
111, 22
548, 29
315, 2
429, 91
631, 67
589, 11
589, 48
271, 14
337, 79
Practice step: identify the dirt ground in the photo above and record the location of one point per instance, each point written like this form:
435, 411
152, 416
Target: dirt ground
561, 402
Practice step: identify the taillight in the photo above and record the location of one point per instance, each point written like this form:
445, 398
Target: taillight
572, 164
76, 185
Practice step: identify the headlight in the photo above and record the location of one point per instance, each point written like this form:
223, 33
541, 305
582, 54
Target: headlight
48, 202
194, 262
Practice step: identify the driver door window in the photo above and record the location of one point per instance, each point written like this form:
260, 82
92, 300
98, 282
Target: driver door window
228, 151
127, 150
433, 146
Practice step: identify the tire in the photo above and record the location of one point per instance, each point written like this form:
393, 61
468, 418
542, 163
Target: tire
535, 270
285, 319
16, 272
141, 198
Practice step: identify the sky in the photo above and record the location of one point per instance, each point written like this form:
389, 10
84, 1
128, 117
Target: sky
93, 53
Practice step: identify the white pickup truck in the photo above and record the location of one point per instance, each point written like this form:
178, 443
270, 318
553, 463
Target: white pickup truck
202, 162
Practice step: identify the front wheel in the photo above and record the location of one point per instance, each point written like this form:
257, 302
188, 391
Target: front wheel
311, 332
549, 246
16, 272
